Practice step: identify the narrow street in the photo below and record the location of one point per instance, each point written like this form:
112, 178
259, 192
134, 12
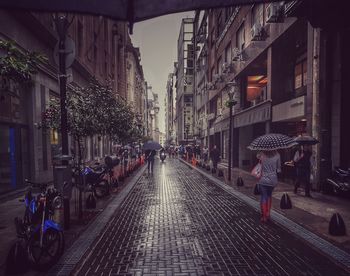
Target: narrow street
177, 222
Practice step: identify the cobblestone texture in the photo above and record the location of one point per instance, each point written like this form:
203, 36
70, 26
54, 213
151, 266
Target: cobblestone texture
177, 222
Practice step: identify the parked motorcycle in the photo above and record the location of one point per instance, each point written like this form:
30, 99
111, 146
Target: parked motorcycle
43, 237
339, 182
94, 179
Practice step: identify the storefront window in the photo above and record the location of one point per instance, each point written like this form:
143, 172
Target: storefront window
300, 74
256, 89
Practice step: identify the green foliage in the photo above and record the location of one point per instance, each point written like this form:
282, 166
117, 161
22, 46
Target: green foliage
93, 110
19, 65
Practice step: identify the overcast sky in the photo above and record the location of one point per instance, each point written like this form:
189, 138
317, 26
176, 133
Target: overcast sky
157, 40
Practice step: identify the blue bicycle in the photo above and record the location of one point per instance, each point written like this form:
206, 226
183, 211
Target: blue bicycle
44, 240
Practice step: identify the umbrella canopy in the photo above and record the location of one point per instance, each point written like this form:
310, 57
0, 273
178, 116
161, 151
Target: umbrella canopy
306, 140
125, 10
273, 141
152, 145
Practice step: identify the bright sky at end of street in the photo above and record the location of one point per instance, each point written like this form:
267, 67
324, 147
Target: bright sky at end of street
157, 40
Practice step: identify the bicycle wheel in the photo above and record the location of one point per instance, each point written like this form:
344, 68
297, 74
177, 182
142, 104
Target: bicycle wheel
43, 257
101, 189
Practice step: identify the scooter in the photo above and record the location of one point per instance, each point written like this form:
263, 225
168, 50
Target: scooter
162, 156
339, 182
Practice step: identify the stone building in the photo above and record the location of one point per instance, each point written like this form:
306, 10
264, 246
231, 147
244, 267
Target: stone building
100, 48
185, 83
283, 58
170, 111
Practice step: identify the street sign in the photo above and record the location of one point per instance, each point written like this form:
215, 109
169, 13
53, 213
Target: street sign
69, 51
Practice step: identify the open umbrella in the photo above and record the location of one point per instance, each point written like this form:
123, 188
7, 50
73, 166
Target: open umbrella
273, 141
306, 140
152, 145
124, 10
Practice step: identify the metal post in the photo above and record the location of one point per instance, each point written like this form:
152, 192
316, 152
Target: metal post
62, 25
230, 145
63, 96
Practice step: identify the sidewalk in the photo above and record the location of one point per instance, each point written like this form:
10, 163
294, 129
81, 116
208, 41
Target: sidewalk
11, 207
313, 213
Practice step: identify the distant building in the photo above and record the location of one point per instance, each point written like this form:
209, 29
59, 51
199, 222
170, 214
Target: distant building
170, 111
185, 83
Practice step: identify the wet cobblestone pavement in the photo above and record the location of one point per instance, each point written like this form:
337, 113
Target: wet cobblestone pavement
176, 222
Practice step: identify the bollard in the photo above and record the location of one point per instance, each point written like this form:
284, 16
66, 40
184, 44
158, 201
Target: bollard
285, 203
337, 225
240, 181
208, 168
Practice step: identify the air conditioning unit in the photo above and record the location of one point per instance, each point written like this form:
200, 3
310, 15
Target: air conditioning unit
274, 13
257, 32
236, 55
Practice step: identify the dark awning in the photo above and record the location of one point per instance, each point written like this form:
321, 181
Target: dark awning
125, 10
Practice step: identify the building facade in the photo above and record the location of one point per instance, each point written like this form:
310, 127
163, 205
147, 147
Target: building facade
27, 151
169, 104
282, 61
185, 83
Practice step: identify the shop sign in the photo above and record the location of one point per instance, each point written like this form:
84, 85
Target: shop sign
292, 109
253, 115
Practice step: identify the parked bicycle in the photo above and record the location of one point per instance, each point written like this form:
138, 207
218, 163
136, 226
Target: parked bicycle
43, 237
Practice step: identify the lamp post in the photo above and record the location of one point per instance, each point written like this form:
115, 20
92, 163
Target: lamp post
63, 172
231, 91
62, 25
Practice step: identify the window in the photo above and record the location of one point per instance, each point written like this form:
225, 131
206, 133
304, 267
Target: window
228, 53
220, 24
212, 37
219, 64
300, 74
212, 73
80, 39
240, 42
257, 15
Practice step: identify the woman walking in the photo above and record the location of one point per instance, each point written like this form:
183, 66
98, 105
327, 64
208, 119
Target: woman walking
270, 161
270, 166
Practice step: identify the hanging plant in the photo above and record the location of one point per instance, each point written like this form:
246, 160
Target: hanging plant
18, 65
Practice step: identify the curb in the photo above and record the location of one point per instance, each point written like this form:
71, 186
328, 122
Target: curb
325, 247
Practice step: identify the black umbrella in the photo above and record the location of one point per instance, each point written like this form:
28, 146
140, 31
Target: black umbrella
152, 145
273, 141
125, 10
306, 140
